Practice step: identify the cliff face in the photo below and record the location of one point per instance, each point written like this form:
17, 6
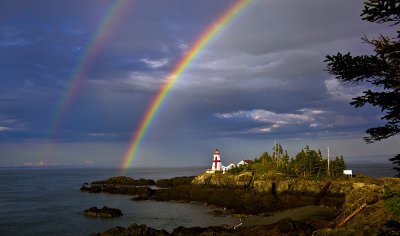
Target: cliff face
280, 183
271, 192
220, 180
351, 189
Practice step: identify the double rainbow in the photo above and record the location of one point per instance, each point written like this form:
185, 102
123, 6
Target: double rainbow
222, 21
93, 47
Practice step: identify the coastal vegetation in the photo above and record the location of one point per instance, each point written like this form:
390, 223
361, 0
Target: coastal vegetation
244, 194
271, 188
306, 163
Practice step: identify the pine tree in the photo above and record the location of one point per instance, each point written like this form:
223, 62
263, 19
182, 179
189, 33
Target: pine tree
265, 158
381, 70
396, 161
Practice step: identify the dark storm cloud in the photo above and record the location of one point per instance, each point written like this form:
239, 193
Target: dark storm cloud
261, 77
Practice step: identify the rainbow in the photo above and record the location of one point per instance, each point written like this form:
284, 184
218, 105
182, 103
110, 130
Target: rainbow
222, 21
93, 47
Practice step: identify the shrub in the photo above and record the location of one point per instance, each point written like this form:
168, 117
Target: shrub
390, 228
236, 170
393, 205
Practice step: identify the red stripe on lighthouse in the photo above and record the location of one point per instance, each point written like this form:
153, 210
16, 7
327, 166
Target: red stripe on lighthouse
215, 162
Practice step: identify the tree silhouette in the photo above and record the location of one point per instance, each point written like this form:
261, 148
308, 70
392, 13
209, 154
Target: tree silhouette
382, 70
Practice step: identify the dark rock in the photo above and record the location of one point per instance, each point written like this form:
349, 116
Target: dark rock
182, 231
174, 182
284, 227
84, 188
289, 226
134, 230
242, 200
103, 212
111, 232
124, 180
125, 190
95, 189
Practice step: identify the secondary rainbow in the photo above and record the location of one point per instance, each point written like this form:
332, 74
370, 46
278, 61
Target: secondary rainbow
93, 47
222, 21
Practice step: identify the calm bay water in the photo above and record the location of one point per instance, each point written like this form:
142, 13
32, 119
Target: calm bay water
36, 201
48, 202
372, 169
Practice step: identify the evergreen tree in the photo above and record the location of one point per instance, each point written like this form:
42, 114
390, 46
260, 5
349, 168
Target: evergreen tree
265, 158
381, 70
342, 164
396, 161
284, 163
337, 166
324, 167
302, 163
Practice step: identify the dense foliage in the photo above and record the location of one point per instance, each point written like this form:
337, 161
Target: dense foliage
307, 163
394, 205
381, 71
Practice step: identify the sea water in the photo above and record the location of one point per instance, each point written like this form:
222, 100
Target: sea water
47, 201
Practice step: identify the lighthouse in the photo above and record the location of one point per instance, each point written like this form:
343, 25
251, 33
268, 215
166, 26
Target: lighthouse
216, 163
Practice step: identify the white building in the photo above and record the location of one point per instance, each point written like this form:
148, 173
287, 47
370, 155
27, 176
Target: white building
226, 168
216, 163
348, 172
242, 162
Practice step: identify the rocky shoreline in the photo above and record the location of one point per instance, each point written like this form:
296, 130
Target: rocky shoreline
283, 227
264, 195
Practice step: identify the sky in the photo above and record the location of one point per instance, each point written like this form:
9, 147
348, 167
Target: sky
78, 76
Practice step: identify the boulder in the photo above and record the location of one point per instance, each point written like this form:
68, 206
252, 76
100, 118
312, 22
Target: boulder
103, 212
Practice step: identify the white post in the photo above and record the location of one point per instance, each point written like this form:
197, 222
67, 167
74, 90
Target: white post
329, 172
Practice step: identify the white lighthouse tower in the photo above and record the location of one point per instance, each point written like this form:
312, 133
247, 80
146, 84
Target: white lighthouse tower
216, 163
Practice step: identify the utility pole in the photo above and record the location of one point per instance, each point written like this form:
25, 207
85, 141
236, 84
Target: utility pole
329, 172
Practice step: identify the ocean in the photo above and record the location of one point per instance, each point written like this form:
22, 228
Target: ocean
47, 201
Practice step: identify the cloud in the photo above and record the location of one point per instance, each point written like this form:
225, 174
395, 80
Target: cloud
112, 135
262, 74
271, 120
182, 46
3, 128
275, 26
9, 124
133, 82
89, 162
15, 37
346, 92
302, 121
155, 63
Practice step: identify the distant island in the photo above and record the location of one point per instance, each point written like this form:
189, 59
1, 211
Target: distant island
274, 195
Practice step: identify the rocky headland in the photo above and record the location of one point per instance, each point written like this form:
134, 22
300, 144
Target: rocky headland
271, 193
